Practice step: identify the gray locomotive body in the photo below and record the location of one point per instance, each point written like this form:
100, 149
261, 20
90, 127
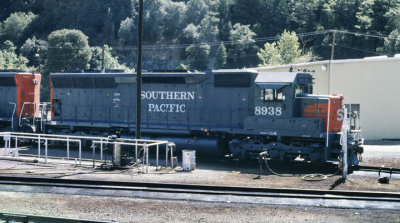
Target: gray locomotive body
238, 112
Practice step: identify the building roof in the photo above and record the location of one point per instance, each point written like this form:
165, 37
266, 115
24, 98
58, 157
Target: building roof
366, 60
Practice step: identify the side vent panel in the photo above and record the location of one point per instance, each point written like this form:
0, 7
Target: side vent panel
232, 80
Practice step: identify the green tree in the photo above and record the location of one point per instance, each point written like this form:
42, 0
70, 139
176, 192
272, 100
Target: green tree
224, 14
270, 54
198, 56
13, 27
67, 49
10, 6
9, 59
289, 47
110, 61
393, 16
242, 52
196, 10
209, 28
109, 28
174, 21
89, 16
391, 45
127, 32
190, 33
220, 57
364, 15
304, 15
285, 51
32, 48
154, 19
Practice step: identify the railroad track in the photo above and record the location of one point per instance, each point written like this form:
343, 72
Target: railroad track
204, 190
390, 170
13, 217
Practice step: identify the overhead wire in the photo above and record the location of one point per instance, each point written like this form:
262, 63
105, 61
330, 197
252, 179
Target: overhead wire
231, 42
255, 40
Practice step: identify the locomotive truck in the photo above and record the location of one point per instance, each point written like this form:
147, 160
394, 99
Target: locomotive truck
236, 112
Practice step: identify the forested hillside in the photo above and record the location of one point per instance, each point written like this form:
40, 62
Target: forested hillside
194, 34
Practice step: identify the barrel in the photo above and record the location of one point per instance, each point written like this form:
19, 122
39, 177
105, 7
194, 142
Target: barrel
188, 160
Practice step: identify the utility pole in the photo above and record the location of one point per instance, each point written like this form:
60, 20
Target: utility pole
333, 45
40, 54
330, 62
102, 60
139, 73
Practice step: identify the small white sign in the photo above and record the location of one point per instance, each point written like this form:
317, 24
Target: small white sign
6, 137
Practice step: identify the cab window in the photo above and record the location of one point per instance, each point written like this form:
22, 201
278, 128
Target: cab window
303, 89
272, 95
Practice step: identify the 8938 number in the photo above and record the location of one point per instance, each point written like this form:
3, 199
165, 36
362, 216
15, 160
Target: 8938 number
264, 110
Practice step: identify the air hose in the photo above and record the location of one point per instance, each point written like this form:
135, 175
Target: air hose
308, 177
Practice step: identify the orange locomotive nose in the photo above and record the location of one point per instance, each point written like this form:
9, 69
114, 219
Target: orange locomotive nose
335, 114
28, 93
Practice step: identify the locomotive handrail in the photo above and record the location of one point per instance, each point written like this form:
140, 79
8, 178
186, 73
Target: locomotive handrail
12, 116
39, 138
35, 109
96, 140
44, 107
22, 110
168, 148
76, 136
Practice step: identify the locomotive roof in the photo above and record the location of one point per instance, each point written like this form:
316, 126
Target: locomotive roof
233, 71
172, 73
123, 74
276, 80
11, 73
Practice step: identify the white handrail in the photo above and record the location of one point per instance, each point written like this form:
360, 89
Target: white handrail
168, 145
12, 116
39, 138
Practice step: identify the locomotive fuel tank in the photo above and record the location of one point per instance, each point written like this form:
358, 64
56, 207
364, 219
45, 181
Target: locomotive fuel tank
203, 146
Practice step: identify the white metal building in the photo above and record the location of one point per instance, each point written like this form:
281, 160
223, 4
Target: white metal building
372, 84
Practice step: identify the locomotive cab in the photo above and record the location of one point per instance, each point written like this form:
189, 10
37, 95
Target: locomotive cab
292, 122
277, 92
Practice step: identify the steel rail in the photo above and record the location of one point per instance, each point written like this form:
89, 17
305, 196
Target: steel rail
378, 169
203, 189
13, 217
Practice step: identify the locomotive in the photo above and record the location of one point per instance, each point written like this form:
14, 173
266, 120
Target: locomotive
20, 99
237, 112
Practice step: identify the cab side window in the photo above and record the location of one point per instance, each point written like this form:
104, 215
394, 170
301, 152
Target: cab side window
303, 89
272, 95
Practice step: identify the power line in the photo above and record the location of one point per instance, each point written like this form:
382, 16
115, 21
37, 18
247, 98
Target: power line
364, 49
368, 35
357, 48
233, 42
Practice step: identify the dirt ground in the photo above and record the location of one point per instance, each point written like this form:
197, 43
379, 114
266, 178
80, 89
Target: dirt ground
223, 171
116, 209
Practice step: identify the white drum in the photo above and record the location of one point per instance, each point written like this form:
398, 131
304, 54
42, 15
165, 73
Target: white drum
188, 160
